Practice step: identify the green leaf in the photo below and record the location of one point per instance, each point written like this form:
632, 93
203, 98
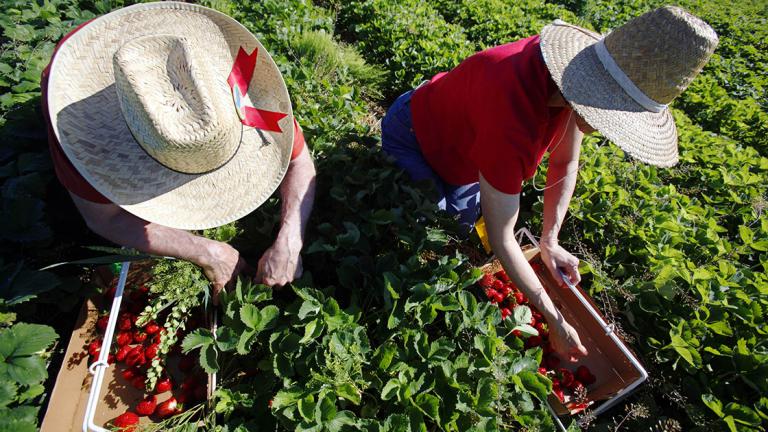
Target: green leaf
312, 331
27, 370
713, 403
209, 359
26, 339
268, 315
307, 407
250, 316
390, 389
430, 404
199, 338
286, 397
522, 315
325, 409
742, 414
245, 341
309, 308
7, 392
535, 383
349, 392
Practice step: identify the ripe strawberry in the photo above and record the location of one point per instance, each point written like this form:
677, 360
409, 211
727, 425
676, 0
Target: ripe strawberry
517, 333
152, 328
542, 329
533, 321
502, 276
94, 348
101, 324
135, 357
270, 403
576, 386
110, 358
542, 371
151, 352
139, 382
125, 322
123, 339
190, 384
147, 406
519, 297
566, 377
168, 408
139, 336
122, 352
128, 374
584, 375
485, 282
497, 285
559, 393
505, 312
126, 422
533, 341
163, 385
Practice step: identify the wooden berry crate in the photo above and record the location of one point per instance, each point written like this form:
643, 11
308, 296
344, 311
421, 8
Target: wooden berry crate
70, 396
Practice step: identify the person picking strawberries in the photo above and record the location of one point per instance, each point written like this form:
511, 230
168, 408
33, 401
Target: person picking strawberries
166, 117
478, 131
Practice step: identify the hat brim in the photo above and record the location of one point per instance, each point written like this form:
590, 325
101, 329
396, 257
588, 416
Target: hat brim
570, 56
86, 118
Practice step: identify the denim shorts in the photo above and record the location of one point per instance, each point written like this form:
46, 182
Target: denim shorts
399, 141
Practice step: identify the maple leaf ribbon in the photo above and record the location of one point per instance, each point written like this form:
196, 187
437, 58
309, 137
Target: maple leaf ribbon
239, 80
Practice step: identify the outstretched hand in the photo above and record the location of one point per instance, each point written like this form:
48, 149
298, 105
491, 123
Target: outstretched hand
555, 257
280, 265
221, 265
565, 341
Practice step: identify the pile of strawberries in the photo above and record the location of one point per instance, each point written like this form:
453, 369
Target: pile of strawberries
134, 349
501, 291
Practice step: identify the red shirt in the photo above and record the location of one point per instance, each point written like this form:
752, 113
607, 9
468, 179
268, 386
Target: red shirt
69, 177
489, 115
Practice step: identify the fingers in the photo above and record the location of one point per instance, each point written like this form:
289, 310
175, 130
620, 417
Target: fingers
217, 288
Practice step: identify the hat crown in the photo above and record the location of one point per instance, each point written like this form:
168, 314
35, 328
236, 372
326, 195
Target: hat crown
177, 112
662, 51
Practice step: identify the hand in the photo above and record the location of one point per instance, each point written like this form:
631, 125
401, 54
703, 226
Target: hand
279, 265
565, 341
555, 257
221, 264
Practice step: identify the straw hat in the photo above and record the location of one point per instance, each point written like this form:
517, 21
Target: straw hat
622, 83
142, 102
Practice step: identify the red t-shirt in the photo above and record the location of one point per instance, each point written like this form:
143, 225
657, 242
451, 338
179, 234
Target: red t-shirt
69, 177
489, 115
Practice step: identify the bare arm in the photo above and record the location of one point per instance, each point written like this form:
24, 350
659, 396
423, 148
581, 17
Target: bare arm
500, 212
281, 263
220, 261
561, 180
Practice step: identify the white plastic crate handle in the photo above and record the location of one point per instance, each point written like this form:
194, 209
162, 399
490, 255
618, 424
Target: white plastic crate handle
99, 367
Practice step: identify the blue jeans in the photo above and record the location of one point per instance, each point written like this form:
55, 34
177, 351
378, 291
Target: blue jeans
399, 141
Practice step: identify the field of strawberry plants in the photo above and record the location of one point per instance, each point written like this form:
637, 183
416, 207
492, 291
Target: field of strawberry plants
392, 327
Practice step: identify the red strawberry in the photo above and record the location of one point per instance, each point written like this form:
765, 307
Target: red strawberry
147, 406
533, 321
485, 282
505, 312
533, 341
110, 358
126, 422
576, 386
151, 352
584, 375
124, 338
102, 323
200, 393
497, 285
125, 322
168, 408
542, 371
270, 403
502, 276
139, 336
139, 382
543, 332
517, 333
135, 357
566, 377
135, 308
122, 352
152, 328
94, 348
183, 398
190, 384
186, 363
163, 385
519, 297
128, 374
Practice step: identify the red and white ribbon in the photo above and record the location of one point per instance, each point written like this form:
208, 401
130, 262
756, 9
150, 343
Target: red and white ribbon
239, 80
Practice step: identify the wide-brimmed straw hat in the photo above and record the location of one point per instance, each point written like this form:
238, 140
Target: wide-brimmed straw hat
173, 111
622, 83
